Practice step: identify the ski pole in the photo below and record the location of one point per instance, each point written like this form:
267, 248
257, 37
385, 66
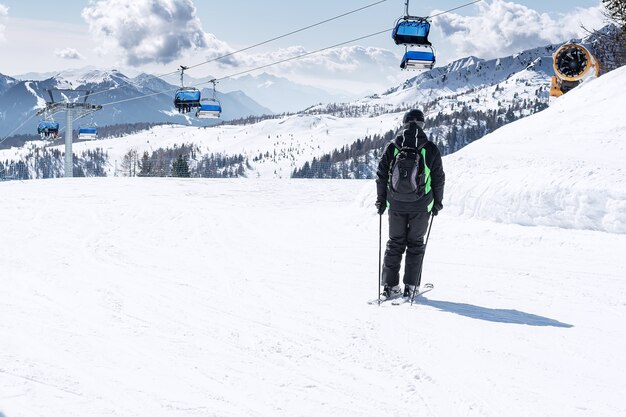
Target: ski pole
419, 276
380, 248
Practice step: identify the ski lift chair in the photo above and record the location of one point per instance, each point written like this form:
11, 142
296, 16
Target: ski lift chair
209, 109
89, 133
48, 129
187, 98
422, 59
411, 31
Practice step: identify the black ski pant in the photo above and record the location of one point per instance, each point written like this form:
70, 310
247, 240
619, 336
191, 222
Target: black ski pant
406, 232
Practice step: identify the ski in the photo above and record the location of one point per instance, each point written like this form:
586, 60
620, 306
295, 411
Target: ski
426, 288
383, 300
399, 300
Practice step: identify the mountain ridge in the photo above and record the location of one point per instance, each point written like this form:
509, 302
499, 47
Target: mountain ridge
116, 91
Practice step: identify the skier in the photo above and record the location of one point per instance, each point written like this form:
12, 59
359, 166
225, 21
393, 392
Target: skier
410, 181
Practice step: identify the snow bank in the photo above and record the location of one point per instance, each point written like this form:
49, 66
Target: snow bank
563, 167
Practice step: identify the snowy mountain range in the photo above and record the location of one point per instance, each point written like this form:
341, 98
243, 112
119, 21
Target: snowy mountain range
493, 83
20, 99
470, 84
282, 95
279, 94
6, 83
463, 101
466, 92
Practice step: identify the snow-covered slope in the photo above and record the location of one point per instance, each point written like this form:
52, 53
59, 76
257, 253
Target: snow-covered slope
5, 83
562, 167
291, 141
485, 84
168, 297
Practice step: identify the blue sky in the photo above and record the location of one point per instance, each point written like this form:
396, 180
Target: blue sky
51, 36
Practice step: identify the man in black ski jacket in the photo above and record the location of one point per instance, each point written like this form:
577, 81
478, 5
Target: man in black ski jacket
408, 217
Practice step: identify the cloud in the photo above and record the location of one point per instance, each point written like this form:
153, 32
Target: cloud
367, 68
149, 31
503, 28
4, 12
68, 53
342, 62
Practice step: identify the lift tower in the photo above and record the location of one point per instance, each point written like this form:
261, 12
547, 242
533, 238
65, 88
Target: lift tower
74, 110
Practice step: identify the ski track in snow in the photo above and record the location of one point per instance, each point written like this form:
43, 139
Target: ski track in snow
168, 297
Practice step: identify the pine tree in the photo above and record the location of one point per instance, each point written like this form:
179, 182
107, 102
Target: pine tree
145, 166
180, 168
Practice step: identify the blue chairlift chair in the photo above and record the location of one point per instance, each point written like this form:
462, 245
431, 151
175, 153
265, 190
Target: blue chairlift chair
418, 59
48, 129
89, 133
209, 109
411, 31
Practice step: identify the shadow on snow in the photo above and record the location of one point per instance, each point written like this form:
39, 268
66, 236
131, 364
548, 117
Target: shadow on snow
497, 315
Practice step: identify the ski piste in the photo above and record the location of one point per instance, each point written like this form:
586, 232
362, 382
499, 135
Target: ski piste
399, 300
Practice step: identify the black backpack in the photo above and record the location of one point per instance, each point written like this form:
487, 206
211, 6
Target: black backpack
407, 181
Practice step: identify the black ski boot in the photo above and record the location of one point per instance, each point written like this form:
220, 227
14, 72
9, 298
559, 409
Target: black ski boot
408, 291
390, 292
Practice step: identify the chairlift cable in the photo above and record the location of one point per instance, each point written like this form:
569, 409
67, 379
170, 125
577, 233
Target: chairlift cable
456, 8
281, 61
290, 33
257, 68
18, 128
303, 55
252, 69
252, 46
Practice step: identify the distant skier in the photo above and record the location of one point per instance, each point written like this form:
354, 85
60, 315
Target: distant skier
410, 180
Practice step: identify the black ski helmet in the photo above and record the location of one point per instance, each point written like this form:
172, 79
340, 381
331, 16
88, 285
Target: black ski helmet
413, 116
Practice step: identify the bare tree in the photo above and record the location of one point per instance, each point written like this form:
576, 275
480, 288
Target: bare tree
616, 12
129, 163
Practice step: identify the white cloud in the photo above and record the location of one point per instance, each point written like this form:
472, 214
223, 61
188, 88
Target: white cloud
4, 12
354, 63
149, 31
68, 53
502, 28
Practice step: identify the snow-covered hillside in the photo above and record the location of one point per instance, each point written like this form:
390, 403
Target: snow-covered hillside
562, 167
484, 84
291, 141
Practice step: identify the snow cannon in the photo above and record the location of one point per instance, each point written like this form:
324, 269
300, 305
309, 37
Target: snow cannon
573, 63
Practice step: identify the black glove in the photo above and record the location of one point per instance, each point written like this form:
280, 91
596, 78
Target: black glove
437, 208
381, 206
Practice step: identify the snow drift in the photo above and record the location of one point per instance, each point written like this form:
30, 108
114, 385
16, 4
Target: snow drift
562, 167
